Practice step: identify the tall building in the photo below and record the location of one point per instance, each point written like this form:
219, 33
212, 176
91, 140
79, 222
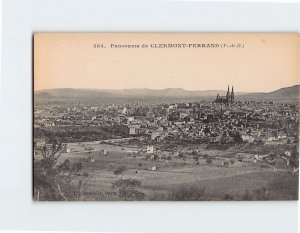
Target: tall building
228, 99
232, 96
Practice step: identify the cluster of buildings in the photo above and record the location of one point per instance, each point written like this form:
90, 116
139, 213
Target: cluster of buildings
224, 120
228, 99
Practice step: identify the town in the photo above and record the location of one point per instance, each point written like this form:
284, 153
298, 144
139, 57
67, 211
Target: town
209, 122
240, 136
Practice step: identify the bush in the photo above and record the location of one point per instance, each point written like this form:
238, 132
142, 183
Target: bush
119, 170
156, 157
264, 166
52, 180
247, 196
181, 155
262, 194
187, 193
228, 197
225, 164
127, 189
209, 160
76, 167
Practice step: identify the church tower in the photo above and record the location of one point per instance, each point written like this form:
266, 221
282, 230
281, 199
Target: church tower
232, 96
227, 96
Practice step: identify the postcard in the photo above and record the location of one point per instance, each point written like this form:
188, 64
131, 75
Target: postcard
166, 116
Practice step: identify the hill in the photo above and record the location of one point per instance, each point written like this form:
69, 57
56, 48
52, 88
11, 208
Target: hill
69, 95
282, 94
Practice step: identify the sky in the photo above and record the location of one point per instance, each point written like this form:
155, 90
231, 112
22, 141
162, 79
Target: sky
267, 61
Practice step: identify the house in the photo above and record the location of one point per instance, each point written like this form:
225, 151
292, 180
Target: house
262, 157
287, 153
247, 138
134, 129
94, 108
150, 149
154, 135
103, 152
295, 170
182, 115
66, 149
90, 159
124, 111
172, 106
130, 119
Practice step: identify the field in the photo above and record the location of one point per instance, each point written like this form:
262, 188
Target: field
216, 174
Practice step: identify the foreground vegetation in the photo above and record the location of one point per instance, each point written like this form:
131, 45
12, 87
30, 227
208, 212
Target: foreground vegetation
193, 175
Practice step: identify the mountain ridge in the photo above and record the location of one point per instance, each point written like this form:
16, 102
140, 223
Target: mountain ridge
61, 94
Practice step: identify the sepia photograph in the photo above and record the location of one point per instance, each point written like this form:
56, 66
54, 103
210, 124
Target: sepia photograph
165, 116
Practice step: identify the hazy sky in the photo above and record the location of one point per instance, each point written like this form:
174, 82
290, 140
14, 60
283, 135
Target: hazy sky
68, 60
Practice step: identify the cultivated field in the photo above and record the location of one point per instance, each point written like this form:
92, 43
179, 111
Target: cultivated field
219, 174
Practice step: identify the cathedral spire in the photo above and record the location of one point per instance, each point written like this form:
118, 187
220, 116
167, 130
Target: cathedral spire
232, 95
227, 96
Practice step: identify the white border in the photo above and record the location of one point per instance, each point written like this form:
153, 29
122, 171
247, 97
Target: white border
23, 17
0, 44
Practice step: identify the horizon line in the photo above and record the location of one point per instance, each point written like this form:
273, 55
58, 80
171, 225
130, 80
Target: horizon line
140, 88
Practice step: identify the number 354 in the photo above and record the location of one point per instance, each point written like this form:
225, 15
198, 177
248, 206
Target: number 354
98, 46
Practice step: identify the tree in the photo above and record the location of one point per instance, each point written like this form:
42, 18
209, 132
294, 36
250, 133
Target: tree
247, 196
262, 194
65, 167
127, 189
275, 134
228, 197
187, 192
237, 138
223, 139
209, 160
52, 180
76, 167
294, 160
119, 170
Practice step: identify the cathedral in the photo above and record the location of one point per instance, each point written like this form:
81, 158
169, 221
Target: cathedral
228, 99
